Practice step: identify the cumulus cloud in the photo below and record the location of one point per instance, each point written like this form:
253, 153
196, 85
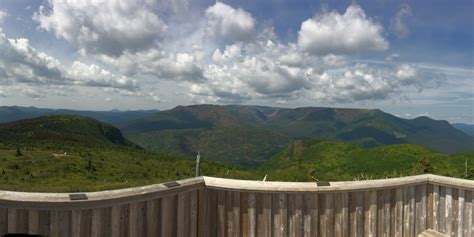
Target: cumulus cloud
33, 93
398, 25
163, 65
108, 27
21, 63
3, 15
362, 82
333, 33
228, 23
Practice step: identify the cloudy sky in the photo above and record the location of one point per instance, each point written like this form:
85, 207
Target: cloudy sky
409, 58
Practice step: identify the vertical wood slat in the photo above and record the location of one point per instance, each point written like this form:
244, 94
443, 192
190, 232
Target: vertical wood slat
3, 220
430, 208
168, 216
229, 212
309, 208
468, 214
442, 210
460, 219
420, 209
326, 214
236, 213
12, 220
193, 214
370, 213
264, 215
295, 212
279, 213
386, 212
183, 215
356, 214
409, 211
44, 222
76, 223
152, 217
454, 212
244, 214
380, 213
448, 213
341, 204
33, 221
398, 213
96, 223
221, 214
252, 210
22, 222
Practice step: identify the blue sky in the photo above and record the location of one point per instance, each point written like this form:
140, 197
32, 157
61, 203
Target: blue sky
409, 58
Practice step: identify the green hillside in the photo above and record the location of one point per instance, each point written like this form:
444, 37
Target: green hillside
213, 129
309, 160
60, 131
97, 157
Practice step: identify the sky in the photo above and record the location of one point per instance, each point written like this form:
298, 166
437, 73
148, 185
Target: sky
408, 58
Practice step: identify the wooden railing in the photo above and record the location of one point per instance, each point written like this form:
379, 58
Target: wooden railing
206, 206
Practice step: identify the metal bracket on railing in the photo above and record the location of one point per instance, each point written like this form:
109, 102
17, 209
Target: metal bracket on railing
172, 184
78, 196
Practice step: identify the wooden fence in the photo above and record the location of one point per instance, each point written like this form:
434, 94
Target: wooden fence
206, 206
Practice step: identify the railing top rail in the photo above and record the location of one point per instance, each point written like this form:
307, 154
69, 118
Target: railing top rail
156, 190
265, 186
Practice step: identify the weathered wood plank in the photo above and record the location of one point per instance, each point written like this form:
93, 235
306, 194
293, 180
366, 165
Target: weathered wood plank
380, 212
124, 220
356, 207
370, 213
33, 221
279, 213
183, 215
341, 206
86, 223
295, 205
308, 207
115, 220
96, 222
3, 221
152, 218
44, 222
132, 220
314, 215
221, 214
468, 214
420, 209
64, 223
264, 215
236, 213
252, 202
22, 223
76, 223
397, 211
193, 213
168, 216
460, 219
244, 214
442, 210
204, 212
12, 220
326, 215
409, 211
386, 212
449, 210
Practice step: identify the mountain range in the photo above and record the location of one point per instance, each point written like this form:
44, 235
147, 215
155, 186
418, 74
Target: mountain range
247, 136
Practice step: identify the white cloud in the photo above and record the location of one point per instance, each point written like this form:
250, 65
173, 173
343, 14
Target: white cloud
33, 93
93, 75
108, 27
179, 66
333, 33
228, 23
21, 63
3, 15
398, 25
